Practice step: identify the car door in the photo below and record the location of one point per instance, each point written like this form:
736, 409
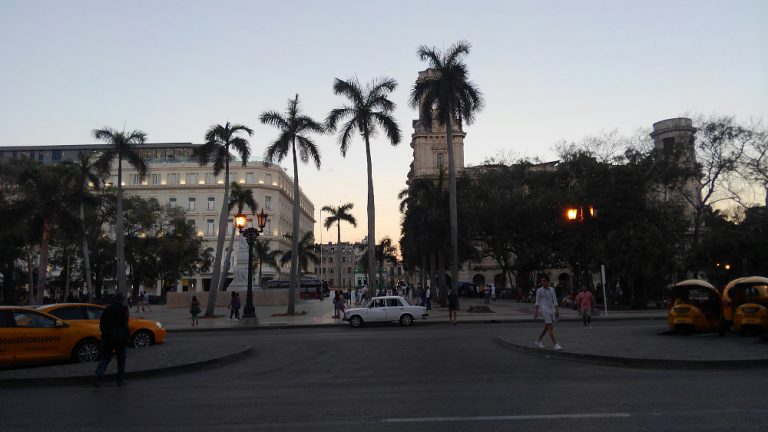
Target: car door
38, 337
377, 311
394, 309
7, 337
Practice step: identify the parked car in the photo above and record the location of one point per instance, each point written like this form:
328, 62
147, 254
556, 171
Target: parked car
696, 306
745, 304
28, 336
143, 332
385, 309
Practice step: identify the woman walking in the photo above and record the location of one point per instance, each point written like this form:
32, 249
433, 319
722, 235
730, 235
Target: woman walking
194, 309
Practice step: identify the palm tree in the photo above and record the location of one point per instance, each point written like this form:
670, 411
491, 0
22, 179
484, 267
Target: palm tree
383, 251
367, 110
306, 251
85, 177
338, 215
122, 146
455, 99
218, 140
263, 254
239, 198
293, 127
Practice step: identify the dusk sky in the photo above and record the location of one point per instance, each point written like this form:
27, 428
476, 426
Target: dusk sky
549, 70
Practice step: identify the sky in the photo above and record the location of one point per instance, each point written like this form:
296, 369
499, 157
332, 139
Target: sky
549, 71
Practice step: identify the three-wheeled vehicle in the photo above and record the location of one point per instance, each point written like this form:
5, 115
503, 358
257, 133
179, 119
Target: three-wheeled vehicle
745, 304
696, 306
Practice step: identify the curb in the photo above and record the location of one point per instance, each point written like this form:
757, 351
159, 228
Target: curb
634, 362
416, 323
88, 379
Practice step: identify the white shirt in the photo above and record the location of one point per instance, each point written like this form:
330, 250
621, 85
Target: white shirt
546, 300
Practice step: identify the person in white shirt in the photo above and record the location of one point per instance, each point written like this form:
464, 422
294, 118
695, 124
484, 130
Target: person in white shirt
546, 306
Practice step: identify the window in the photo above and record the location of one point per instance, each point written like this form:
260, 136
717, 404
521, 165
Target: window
154, 179
173, 179
269, 179
393, 302
268, 202
68, 313
172, 201
211, 203
191, 222
191, 206
134, 179
56, 155
209, 227
192, 178
249, 178
32, 319
439, 159
330, 270
93, 313
230, 227
330, 260
210, 179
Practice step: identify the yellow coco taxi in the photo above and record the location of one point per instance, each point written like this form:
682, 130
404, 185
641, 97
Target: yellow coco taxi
696, 306
143, 332
745, 304
28, 336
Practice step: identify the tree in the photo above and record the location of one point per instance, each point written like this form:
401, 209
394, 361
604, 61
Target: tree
305, 251
383, 251
448, 91
218, 141
366, 111
263, 254
755, 162
338, 215
122, 146
294, 128
239, 198
86, 176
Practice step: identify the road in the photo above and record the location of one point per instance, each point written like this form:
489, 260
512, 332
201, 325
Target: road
389, 378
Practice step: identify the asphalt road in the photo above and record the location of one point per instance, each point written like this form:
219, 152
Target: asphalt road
388, 378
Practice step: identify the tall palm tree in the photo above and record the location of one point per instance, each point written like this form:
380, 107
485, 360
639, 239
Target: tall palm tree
294, 128
338, 215
239, 197
263, 254
455, 99
306, 251
85, 176
122, 146
218, 141
366, 111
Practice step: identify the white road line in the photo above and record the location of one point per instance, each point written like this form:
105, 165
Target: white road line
498, 418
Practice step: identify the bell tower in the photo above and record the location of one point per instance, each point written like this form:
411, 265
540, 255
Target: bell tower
430, 145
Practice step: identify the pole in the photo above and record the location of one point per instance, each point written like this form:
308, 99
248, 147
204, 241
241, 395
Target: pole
250, 310
605, 298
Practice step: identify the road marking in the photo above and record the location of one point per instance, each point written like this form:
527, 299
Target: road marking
498, 418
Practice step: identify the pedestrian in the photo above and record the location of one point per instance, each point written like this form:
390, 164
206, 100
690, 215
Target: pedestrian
232, 300
114, 337
493, 293
342, 304
140, 302
487, 293
453, 306
237, 306
428, 298
146, 301
585, 301
194, 309
546, 305
336, 301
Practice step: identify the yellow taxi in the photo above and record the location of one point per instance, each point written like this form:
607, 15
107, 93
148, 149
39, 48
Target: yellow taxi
143, 332
696, 306
745, 303
27, 336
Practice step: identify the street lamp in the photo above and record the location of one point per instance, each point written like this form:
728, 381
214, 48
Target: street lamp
250, 235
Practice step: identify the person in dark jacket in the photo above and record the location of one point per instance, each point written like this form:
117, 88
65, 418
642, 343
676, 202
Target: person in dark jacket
114, 337
453, 306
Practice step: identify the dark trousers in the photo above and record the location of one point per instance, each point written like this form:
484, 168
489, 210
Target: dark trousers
105, 353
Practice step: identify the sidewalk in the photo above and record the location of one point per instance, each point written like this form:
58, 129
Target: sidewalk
623, 338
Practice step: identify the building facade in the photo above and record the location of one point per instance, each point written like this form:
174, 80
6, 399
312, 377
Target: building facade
176, 178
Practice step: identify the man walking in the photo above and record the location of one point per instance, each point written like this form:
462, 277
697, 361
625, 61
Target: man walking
114, 337
586, 302
546, 305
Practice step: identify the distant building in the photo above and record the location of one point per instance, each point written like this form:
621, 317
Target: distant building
176, 178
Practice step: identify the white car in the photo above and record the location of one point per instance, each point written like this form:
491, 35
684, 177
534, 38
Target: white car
385, 309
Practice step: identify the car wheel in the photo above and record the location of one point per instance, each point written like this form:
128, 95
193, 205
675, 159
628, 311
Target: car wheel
141, 339
356, 321
406, 320
86, 351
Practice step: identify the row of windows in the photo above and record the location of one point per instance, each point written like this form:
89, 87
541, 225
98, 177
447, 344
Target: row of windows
210, 226
192, 203
192, 179
330, 270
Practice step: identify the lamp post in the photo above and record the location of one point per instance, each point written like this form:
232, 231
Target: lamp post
250, 234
